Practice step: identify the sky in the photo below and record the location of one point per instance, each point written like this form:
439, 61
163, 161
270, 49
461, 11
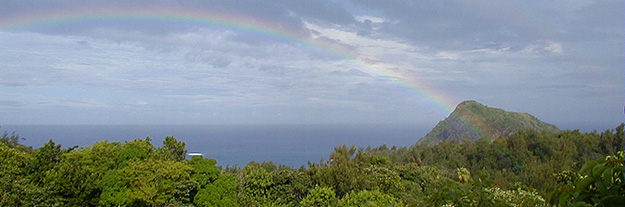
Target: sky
309, 62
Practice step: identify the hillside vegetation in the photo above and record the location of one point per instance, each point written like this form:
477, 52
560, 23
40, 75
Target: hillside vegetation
472, 120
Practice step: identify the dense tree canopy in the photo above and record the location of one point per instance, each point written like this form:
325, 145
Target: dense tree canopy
527, 168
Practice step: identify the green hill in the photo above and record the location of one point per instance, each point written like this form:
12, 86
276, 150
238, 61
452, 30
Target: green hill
472, 120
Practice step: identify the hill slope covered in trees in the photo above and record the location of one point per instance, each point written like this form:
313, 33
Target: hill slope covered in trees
472, 120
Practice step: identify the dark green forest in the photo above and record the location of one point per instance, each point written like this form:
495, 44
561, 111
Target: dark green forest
525, 168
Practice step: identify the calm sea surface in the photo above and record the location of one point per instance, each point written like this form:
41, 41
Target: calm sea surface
292, 145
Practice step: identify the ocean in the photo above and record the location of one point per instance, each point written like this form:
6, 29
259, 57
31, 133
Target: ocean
232, 145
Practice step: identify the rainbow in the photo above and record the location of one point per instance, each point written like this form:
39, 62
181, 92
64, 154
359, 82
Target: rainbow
230, 21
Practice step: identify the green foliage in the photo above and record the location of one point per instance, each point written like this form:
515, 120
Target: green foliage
135, 150
380, 178
525, 156
76, 177
44, 159
255, 185
319, 197
347, 171
342, 154
369, 198
14, 162
343, 177
113, 174
514, 198
12, 141
12, 174
472, 120
612, 141
17, 183
221, 193
506, 171
289, 187
204, 170
216, 188
451, 192
599, 183
464, 176
147, 183
172, 149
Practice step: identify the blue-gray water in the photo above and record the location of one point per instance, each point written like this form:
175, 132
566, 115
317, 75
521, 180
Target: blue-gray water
292, 145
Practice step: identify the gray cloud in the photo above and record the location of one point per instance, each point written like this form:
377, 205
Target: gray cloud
281, 14
470, 24
359, 61
11, 104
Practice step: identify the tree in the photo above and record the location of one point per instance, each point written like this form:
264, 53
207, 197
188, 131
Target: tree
146, 183
255, 185
12, 141
289, 187
599, 183
12, 175
44, 159
77, 176
172, 150
342, 154
612, 140
220, 193
369, 198
319, 197
138, 149
204, 170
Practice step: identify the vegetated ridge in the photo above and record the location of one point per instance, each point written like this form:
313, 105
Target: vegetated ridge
471, 121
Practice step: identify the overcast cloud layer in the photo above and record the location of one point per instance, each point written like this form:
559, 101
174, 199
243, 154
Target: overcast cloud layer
561, 61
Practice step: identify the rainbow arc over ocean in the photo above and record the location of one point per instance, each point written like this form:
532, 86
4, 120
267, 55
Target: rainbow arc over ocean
229, 21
